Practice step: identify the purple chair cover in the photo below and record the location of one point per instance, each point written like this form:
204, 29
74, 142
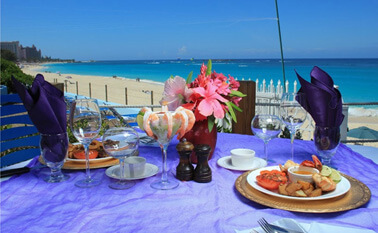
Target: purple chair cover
28, 204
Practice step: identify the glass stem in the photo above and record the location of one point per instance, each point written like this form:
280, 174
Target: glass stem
87, 170
292, 136
122, 169
164, 175
265, 151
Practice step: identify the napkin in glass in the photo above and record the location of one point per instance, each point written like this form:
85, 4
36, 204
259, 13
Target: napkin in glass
45, 105
323, 101
47, 110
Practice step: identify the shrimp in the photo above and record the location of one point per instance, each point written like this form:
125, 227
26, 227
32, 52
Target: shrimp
323, 182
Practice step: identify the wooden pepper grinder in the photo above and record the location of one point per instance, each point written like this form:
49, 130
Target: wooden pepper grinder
202, 173
184, 170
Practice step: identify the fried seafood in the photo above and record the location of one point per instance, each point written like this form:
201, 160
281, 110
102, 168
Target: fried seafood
288, 165
96, 147
323, 182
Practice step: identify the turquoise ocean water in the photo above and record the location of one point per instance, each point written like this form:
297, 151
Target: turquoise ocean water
357, 78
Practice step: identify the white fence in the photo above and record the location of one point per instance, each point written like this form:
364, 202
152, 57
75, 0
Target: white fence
267, 100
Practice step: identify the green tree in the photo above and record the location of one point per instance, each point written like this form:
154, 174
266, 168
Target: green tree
8, 55
8, 69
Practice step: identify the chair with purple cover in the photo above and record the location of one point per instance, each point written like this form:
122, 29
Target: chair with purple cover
19, 137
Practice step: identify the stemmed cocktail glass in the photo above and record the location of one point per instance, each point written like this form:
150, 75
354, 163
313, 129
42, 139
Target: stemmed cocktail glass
163, 126
120, 143
266, 127
85, 118
293, 114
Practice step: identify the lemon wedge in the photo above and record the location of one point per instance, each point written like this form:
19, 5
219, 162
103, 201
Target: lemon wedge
326, 171
335, 176
139, 120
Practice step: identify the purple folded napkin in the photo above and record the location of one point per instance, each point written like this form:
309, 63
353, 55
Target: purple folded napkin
45, 105
323, 101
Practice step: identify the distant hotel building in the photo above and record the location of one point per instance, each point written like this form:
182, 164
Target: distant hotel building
22, 53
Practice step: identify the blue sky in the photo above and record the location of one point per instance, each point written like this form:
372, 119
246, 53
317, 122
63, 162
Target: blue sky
167, 29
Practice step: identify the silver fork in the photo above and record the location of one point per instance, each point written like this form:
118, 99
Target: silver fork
266, 227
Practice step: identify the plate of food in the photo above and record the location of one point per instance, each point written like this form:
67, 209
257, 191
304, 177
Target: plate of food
275, 181
96, 153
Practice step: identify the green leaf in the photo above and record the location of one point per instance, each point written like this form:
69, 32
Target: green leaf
171, 76
231, 111
209, 65
189, 79
237, 93
210, 123
236, 107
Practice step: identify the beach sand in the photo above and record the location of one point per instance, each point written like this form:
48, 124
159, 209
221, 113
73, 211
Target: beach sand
139, 93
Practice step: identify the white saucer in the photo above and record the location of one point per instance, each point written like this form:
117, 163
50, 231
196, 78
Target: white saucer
150, 170
226, 163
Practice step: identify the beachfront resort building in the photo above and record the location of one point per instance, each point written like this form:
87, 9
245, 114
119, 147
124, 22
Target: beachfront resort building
22, 53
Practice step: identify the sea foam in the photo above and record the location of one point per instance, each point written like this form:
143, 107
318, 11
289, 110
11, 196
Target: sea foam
360, 111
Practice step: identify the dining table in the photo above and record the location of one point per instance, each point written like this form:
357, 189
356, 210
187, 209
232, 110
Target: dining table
29, 204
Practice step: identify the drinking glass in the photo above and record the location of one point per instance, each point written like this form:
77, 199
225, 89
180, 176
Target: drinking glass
292, 114
266, 127
85, 118
163, 131
120, 143
54, 150
326, 140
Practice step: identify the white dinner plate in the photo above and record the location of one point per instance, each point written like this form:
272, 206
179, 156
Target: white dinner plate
150, 170
226, 163
341, 188
96, 160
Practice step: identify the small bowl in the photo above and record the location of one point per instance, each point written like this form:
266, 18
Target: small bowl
301, 173
242, 157
134, 166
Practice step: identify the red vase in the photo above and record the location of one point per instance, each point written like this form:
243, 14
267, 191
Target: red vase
200, 134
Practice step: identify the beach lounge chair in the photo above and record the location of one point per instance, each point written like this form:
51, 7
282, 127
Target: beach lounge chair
19, 137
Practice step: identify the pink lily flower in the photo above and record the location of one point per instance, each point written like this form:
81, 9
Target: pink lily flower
175, 92
210, 103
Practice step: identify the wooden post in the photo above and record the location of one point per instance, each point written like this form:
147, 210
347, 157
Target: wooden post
125, 95
65, 83
152, 99
247, 104
77, 88
106, 93
90, 90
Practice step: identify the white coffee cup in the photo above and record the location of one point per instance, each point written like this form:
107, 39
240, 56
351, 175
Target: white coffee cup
134, 166
242, 157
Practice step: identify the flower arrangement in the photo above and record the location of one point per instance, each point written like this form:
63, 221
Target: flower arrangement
210, 96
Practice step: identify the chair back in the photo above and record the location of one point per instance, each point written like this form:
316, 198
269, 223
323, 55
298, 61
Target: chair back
247, 104
19, 137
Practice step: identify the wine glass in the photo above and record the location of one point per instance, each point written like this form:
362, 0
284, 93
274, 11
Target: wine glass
327, 140
85, 118
54, 148
266, 127
293, 114
164, 126
120, 143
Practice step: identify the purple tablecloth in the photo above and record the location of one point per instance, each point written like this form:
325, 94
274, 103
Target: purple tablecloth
28, 204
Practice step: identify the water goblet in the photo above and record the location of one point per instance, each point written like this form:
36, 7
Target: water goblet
327, 140
120, 143
266, 127
292, 114
54, 150
85, 118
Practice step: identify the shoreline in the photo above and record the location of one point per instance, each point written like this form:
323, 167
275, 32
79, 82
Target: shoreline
139, 92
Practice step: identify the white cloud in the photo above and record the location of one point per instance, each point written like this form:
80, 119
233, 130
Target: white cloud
182, 50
